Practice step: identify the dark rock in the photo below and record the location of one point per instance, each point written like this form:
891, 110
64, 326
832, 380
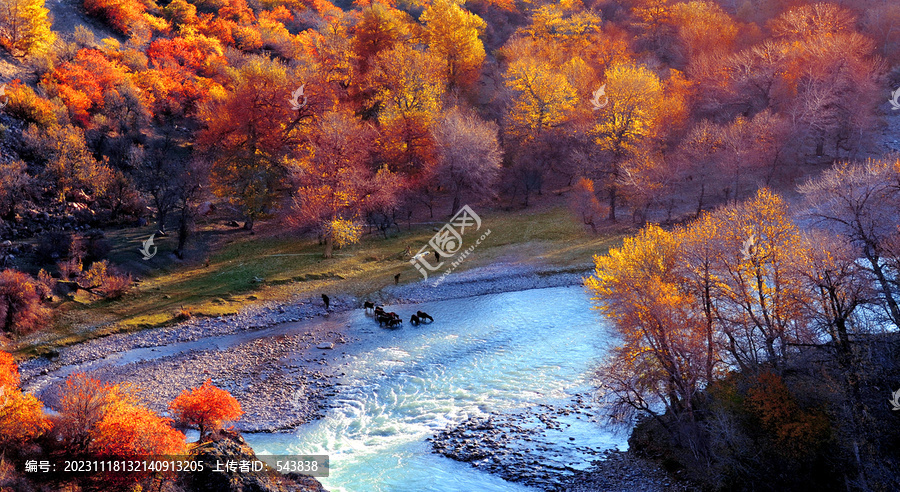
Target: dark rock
225, 446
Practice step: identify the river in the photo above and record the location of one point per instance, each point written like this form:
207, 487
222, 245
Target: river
492, 353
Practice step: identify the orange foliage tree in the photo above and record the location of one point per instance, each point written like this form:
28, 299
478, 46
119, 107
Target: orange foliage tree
83, 82
102, 419
131, 431
9, 371
726, 291
21, 415
205, 407
249, 132
122, 15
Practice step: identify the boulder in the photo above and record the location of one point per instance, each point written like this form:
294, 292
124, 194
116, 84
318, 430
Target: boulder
227, 446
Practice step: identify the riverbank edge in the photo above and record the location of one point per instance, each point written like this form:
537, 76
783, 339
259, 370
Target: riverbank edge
491, 279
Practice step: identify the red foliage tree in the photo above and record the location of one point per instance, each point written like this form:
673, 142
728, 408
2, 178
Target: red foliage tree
205, 407
122, 15
20, 303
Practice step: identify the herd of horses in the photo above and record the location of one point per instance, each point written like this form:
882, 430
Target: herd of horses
386, 318
392, 319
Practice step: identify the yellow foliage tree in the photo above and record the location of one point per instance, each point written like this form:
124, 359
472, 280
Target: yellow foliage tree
544, 97
25, 27
630, 118
452, 34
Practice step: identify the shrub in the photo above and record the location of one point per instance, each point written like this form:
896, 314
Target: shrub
122, 15
105, 280
69, 269
9, 371
46, 284
20, 303
26, 105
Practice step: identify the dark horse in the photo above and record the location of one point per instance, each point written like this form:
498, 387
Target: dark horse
326, 300
389, 319
423, 316
414, 319
369, 305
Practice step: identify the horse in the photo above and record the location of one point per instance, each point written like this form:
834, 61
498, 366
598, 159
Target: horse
422, 315
326, 300
414, 320
368, 305
378, 311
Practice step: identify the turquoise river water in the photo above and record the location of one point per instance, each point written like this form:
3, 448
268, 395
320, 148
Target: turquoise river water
492, 353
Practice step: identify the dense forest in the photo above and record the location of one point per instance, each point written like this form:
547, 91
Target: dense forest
748, 143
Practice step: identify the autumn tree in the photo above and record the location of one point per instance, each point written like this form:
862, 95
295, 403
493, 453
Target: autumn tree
21, 310
71, 169
839, 287
409, 95
583, 202
83, 83
21, 418
630, 118
469, 156
122, 15
664, 358
859, 202
760, 306
543, 104
703, 29
331, 178
15, 187
25, 27
21, 415
543, 97
9, 371
380, 28
83, 404
452, 35
249, 131
132, 431
205, 407
728, 290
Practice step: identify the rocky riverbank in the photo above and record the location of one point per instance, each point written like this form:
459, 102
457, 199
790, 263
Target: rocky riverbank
519, 446
281, 381
284, 378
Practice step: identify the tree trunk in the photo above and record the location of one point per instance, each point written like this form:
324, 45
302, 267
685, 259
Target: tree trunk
161, 220
183, 232
456, 201
329, 246
612, 202
892, 308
